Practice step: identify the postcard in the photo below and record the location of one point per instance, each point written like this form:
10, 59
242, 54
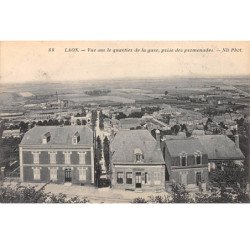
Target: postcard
124, 122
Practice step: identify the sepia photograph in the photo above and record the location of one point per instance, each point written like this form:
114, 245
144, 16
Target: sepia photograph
124, 122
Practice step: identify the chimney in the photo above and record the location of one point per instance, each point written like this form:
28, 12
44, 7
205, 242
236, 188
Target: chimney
158, 138
237, 141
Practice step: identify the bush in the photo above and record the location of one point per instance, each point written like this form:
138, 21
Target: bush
31, 194
139, 200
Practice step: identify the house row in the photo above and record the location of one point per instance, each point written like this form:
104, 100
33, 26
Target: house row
138, 160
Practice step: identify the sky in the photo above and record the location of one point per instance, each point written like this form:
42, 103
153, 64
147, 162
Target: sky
32, 62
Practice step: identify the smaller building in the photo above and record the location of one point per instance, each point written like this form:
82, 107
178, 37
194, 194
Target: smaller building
15, 133
186, 161
136, 161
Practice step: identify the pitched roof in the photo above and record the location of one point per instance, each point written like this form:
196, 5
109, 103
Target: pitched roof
187, 145
220, 147
59, 135
126, 141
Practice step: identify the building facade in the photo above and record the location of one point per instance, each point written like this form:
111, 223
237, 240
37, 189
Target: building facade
136, 161
57, 154
186, 161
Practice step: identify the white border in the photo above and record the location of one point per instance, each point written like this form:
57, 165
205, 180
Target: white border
124, 226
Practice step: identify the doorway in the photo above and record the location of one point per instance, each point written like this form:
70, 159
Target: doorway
68, 177
138, 179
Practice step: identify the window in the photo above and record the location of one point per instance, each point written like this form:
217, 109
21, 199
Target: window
52, 157
146, 178
129, 178
120, 177
53, 174
36, 157
36, 173
82, 157
67, 157
82, 174
157, 178
183, 159
76, 138
46, 138
138, 154
138, 157
198, 158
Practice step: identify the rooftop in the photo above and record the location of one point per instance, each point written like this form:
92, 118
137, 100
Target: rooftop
187, 145
59, 135
126, 142
220, 147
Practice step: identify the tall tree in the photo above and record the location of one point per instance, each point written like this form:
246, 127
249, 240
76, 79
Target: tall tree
101, 121
93, 119
98, 148
106, 152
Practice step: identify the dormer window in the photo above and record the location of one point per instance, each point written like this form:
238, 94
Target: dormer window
76, 138
183, 159
198, 158
138, 155
46, 138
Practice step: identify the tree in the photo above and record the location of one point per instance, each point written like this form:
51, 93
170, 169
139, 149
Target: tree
61, 122
23, 127
184, 127
166, 93
56, 122
101, 121
209, 120
84, 122
67, 123
50, 122
120, 115
84, 113
175, 129
98, 170
93, 118
45, 123
78, 122
136, 115
98, 148
179, 194
106, 152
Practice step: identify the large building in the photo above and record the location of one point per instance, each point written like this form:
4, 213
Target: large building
136, 161
186, 161
58, 154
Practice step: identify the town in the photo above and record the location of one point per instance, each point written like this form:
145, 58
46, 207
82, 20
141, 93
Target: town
133, 140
